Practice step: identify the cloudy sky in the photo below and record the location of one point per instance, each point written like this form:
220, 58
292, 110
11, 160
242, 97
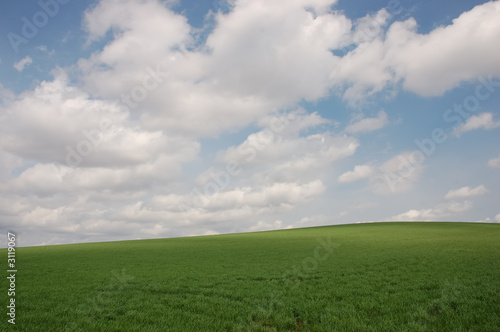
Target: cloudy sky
126, 119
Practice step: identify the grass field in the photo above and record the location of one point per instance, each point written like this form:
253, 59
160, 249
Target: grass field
364, 277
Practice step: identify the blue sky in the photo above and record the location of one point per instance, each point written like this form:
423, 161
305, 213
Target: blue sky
124, 119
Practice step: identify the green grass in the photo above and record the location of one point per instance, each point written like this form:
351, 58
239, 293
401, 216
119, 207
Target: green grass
376, 277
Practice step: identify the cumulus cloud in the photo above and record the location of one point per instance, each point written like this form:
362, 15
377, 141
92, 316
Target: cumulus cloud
286, 57
494, 163
359, 172
238, 204
314, 220
436, 213
282, 152
97, 215
65, 125
274, 195
265, 226
8, 163
445, 209
104, 153
100, 155
282, 41
6, 96
370, 27
281, 61
368, 124
426, 64
482, 121
365, 205
397, 174
445, 60
21, 64
467, 192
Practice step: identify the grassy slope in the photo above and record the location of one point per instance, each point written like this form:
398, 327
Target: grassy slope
379, 277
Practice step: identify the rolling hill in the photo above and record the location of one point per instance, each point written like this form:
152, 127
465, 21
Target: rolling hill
362, 277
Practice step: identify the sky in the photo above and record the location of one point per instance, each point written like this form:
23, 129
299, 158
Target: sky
138, 119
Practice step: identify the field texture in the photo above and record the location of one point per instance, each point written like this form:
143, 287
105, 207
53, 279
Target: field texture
365, 277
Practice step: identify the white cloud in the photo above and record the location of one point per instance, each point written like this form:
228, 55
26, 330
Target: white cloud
279, 40
359, 172
99, 215
21, 64
293, 123
365, 205
281, 61
361, 71
261, 58
436, 62
368, 124
427, 64
370, 27
47, 179
437, 213
397, 174
58, 118
8, 163
497, 217
261, 148
132, 182
314, 220
268, 55
265, 226
467, 192
494, 163
234, 204
280, 153
6, 97
481, 121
